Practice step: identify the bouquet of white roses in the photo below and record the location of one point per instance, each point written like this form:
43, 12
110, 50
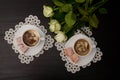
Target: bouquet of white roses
67, 15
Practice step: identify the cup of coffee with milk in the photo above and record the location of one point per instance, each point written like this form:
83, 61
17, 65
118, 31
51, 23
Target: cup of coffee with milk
83, 46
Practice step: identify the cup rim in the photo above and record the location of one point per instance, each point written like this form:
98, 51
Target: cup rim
36, 33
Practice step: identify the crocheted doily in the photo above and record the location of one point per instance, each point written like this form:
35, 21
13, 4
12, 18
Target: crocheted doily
33, 20
74, 68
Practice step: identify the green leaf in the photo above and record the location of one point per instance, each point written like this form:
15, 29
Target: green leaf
80, 1
86, 4
66, 8
96, 6
70, 33
59, 16
70, 19
84, 18
103, 11
93, 21
91, 1
65, 28
58, 3
82, 11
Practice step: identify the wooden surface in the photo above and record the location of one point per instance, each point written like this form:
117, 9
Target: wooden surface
49, 66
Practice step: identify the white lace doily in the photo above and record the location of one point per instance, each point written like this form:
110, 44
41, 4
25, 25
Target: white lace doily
33, 20
74, 68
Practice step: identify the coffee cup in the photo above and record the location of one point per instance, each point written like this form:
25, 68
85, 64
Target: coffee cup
83, 46
31, 38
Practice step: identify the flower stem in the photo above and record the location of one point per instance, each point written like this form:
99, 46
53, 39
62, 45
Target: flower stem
55, 9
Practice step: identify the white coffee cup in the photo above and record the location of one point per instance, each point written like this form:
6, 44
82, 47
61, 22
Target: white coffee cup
83, 46
31, 38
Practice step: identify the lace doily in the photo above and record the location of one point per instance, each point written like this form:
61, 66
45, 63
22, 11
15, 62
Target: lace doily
33, 20
74, 68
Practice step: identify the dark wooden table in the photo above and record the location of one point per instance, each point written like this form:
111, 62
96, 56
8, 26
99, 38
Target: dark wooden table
49, 65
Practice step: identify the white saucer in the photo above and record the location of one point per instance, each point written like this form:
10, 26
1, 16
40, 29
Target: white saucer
32, 50
83, 60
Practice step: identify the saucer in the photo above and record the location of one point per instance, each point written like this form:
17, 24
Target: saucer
32, 50
83, 60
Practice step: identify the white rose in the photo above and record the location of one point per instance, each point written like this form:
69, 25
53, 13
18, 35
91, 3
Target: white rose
60, 37
54, 25
47, 11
